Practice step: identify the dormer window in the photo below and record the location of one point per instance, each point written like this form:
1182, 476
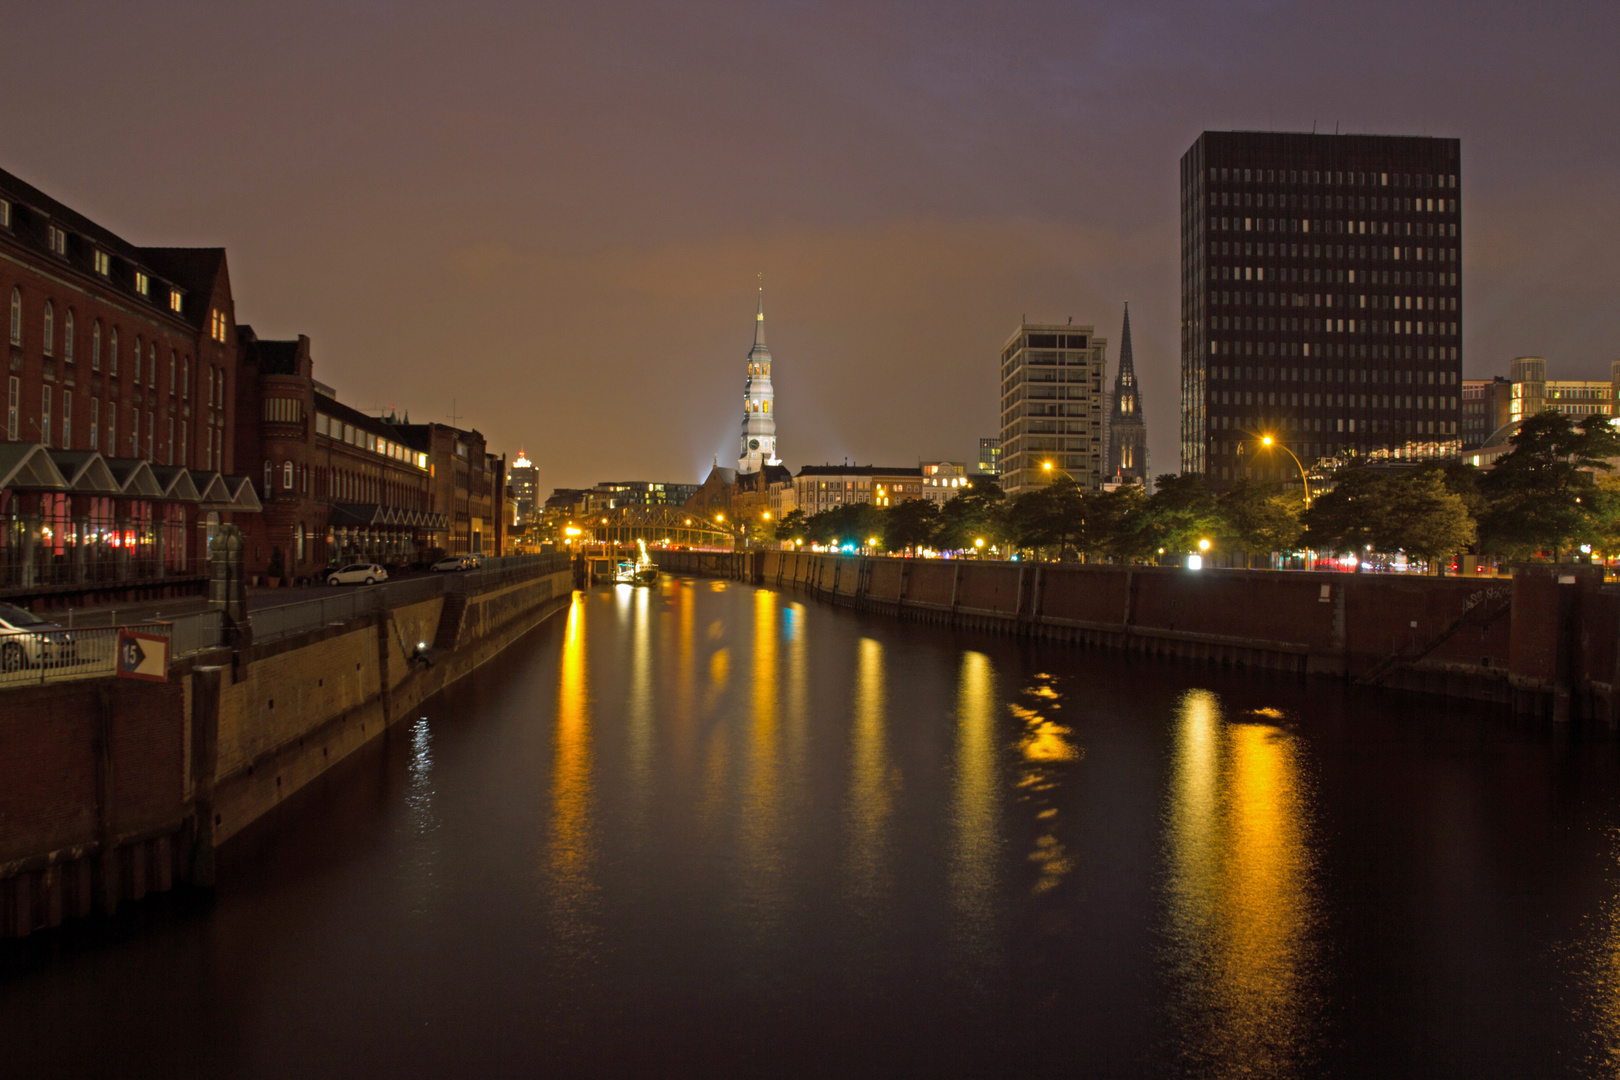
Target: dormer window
56, 240
175, 302
5, 212
143, 284
103, 263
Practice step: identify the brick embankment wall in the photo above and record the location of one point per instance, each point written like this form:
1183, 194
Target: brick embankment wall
1550, 633
315, 700
110, 789
92, 807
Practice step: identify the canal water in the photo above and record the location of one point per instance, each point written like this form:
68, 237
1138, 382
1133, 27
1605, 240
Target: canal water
707, 829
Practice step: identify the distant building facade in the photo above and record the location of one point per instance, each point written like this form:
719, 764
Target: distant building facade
525, 490
1052, 406
990, 456
1487, 407
1127, 426
1321, 299
337, 484
819, 488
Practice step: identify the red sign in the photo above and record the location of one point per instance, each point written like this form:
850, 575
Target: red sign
143, 656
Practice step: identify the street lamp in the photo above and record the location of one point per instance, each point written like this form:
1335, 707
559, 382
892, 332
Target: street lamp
1203, 545
1273, 443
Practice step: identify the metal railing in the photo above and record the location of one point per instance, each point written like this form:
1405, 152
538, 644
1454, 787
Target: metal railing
28, 658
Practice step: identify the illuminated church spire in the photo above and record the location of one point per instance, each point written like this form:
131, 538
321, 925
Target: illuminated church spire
1127, 428
759, 403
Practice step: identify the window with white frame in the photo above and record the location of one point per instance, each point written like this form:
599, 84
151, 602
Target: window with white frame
95, 423
45, 415
16, 316
103, 263
50, 328
13, 407
95, 346
67, 420
112, 353
286, 476
67, 337
143, 284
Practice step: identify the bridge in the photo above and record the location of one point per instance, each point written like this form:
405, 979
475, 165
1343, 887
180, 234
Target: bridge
670, 525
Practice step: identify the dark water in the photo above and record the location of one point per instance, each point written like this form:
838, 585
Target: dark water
715, 830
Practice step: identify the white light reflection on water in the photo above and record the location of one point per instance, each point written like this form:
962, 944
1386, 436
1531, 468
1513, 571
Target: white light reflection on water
1244, 920
872, 782
976, 811
569, 878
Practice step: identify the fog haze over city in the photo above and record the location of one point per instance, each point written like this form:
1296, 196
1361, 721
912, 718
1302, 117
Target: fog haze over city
556, 218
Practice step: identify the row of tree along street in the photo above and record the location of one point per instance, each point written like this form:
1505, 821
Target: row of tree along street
1550, 497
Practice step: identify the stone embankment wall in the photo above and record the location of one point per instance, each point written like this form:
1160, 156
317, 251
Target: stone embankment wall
110, 789
1544, 642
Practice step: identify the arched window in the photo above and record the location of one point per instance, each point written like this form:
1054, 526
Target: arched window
112, 353
151, 365
185, 378
269, 475
173, 360
95, 346
50, 328
67, 337
136, 361
16, 316
298, 542
286, 476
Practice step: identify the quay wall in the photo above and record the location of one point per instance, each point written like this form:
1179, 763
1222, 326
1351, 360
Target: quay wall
110, 788
1544, 642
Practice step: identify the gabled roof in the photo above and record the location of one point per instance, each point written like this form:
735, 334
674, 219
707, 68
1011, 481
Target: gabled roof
135, 478
29, 466
243, 497
858, 470
211, 488
177, 484
86, 471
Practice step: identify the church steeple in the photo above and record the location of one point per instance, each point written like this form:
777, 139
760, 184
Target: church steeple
1127, 428
758, 447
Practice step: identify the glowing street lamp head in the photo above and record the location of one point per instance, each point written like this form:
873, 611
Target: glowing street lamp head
767, 515
1203, 545
979, 542
871, 541
1265, 440
1047, 465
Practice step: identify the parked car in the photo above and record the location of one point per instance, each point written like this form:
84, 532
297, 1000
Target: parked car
26, 640
454, 562
360, 573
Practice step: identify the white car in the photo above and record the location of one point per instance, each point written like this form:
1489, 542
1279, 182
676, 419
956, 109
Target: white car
360, 573
452, 563
26, 640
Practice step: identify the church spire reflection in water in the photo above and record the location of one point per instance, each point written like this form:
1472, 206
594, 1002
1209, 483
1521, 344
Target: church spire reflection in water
1243, 917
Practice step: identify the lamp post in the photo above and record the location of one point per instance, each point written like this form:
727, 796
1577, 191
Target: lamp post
1271, 442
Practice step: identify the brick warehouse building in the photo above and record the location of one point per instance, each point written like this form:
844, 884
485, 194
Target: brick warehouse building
1321, 299
337, 484
468, 485
117, 437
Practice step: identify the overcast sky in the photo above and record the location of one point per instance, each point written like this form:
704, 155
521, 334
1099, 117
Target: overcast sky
551, 217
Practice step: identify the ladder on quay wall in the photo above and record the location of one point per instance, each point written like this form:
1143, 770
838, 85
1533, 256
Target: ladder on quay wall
1388, 664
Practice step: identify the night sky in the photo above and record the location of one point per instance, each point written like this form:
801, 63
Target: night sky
553, 215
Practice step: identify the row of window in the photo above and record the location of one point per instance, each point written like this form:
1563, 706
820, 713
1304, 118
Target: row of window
1220, 323
179, 367
343, 485
1316, 251
1387, 301
1258, 201
56, 242
336, 429
1404, 402
55, 428
1351, 179
1223, 372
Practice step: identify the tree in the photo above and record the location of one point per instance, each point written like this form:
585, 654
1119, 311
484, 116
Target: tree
791, 526
1256, 520
1424, 518
1543, 495
1114, 524
910, 525
1050, 517
1348, 518
975, 514
852, 523
1178, 514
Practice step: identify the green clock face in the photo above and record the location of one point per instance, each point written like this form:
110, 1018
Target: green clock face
753, 444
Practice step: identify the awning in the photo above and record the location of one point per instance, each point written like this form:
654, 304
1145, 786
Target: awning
177, 484
86, 471
28, 467
135, 478
375, 515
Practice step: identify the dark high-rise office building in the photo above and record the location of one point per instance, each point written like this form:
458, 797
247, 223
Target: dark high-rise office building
1321, 300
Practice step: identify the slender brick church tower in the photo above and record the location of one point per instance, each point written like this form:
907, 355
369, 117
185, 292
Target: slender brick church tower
1127, 428
759, 403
